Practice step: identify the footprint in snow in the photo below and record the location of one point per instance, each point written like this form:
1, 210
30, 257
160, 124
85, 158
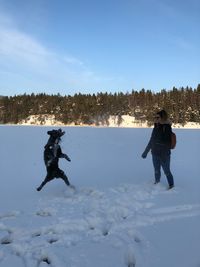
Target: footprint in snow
6, 240
137, 239
106, 229
52, 240
45, 260
105, 232
129, 258
43, 213
36, 234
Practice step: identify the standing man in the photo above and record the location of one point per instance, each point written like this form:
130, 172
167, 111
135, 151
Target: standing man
160, 145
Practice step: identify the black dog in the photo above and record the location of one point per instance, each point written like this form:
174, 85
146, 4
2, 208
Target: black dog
52, 154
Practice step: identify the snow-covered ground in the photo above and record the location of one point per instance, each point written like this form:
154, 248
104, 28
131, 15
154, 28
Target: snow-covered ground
115, 217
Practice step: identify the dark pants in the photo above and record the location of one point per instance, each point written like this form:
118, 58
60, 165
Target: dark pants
163, 162
54, 172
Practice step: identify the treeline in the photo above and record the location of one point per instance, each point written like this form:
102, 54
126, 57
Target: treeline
182, 104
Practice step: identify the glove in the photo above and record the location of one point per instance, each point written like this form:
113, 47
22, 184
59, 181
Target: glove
144, 155
67, 158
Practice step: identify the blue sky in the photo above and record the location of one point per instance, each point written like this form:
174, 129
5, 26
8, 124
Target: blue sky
71, 46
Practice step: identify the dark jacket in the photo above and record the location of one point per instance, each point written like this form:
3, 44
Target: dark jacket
160, 141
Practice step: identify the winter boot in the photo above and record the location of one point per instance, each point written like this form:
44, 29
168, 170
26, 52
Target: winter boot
170, 186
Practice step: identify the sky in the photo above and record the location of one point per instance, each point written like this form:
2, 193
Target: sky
72, 46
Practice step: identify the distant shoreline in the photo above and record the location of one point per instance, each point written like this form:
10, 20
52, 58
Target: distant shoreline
126, 121
174, 126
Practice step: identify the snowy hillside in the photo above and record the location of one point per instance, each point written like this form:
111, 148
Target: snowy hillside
115, 217
126, 121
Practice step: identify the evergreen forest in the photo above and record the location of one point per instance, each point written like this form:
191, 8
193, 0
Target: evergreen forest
183, 105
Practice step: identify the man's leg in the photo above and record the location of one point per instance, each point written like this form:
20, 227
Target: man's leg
157, 167
166, 168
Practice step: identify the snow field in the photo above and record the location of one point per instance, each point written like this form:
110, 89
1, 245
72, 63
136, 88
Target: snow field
115, 217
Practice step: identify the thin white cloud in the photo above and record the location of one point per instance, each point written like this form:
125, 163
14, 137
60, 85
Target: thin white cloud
25, 50
73, 61
20, 54
20, 47
28, 65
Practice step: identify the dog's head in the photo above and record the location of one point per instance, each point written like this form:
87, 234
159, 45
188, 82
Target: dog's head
55, 135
